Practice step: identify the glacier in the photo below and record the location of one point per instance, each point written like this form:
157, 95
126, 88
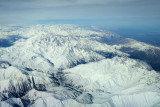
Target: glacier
66, 65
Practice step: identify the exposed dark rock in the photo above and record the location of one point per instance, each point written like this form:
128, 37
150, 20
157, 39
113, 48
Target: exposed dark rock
150, 56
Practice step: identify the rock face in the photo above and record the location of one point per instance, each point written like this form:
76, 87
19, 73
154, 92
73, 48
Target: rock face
68, 65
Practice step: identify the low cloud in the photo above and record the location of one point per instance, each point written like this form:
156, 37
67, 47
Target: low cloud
54, 3
30, 10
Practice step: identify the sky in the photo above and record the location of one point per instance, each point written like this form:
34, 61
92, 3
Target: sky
28, 11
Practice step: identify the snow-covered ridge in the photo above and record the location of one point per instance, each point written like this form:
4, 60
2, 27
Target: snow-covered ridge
64, 65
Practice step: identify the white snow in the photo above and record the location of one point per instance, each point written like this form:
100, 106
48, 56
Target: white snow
94, 73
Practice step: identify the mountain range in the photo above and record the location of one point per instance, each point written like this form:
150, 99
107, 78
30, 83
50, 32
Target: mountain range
66, 65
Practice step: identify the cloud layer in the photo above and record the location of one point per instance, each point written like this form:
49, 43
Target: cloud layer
31, 10
55, 3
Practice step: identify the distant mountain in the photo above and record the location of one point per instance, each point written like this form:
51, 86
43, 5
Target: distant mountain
68, 65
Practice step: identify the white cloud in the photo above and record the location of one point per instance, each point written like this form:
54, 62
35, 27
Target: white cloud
29, 10
54, 3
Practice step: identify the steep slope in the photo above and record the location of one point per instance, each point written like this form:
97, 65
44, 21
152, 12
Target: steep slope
64, 65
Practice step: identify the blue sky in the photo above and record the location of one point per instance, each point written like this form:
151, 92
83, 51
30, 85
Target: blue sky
28, 11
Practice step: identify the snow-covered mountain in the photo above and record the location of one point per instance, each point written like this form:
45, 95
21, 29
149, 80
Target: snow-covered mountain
71, 66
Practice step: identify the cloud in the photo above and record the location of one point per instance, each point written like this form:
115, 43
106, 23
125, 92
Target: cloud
54, 3
29, 10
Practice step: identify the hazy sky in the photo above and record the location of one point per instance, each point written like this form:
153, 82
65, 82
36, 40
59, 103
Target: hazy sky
24, 11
